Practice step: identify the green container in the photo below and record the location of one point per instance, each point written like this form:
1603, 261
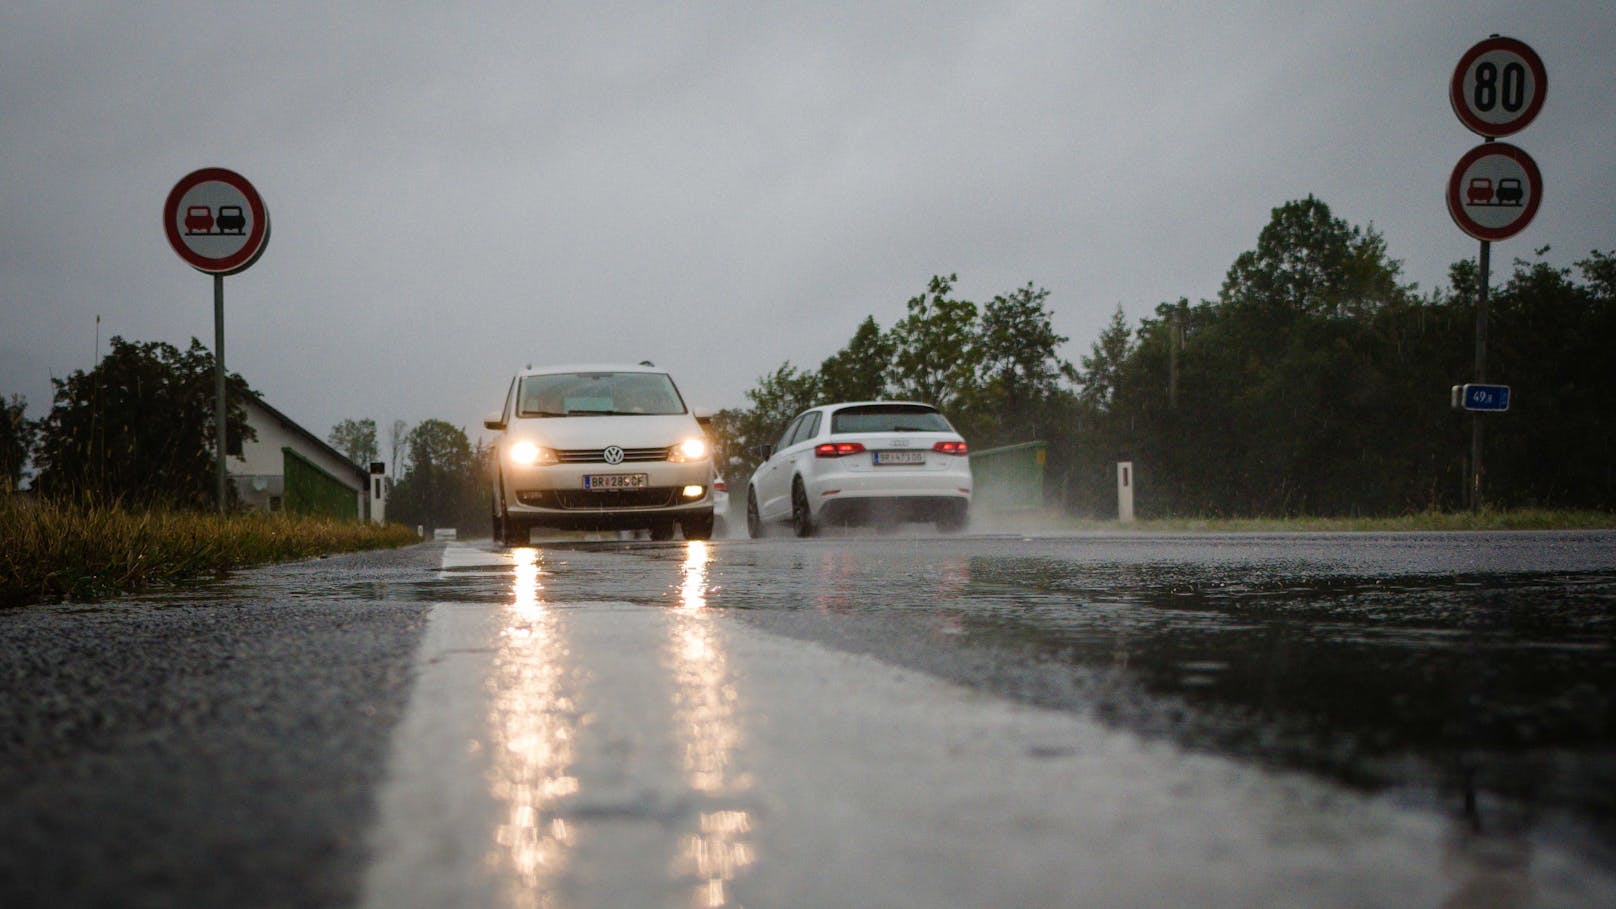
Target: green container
310, 490
1009, 478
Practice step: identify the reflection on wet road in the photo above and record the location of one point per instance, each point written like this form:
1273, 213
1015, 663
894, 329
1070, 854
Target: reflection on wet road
653, 734
609, 746
704, 702
532, 720
1475, 672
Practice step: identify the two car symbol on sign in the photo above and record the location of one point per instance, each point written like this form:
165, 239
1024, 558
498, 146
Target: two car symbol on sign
199, 220
1480, 191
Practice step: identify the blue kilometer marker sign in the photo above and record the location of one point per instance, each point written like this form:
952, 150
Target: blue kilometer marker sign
1481, 398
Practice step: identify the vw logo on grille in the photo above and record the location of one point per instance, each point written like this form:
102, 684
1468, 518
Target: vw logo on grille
613, 454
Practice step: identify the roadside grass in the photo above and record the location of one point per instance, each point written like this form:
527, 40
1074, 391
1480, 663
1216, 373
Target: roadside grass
1419, 522
51, 551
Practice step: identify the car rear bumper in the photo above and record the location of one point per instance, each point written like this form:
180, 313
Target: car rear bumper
890, 495
893, 509
889, 483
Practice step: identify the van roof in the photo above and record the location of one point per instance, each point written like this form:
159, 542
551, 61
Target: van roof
587, 367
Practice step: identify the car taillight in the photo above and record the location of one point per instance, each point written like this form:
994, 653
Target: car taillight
951, 448
720, 486
837, 449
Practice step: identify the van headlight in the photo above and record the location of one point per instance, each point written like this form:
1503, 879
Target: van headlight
527, 454
691, 449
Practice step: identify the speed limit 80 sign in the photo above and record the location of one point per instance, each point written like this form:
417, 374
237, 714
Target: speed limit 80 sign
1498, 87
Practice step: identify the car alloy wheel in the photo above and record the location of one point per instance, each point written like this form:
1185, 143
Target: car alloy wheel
754, 523
802, 520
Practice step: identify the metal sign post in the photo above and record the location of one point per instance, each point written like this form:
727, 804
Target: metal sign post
1493, 193
220, 410
219, 225
1481, 376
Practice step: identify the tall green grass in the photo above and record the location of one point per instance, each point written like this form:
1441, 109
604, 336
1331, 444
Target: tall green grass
51, 551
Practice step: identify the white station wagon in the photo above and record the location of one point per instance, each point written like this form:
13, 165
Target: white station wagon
862, 462
599, 448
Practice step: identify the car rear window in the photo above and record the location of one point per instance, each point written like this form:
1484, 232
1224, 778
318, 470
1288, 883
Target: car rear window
888, 418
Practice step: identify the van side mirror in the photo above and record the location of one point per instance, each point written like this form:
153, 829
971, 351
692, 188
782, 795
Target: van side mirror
764, 451
704, 417
492, 420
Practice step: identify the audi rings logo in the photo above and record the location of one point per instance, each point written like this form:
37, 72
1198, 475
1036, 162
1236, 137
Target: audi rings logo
613, 454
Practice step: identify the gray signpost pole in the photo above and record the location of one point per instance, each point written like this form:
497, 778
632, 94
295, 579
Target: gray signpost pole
221, 423
1481, 376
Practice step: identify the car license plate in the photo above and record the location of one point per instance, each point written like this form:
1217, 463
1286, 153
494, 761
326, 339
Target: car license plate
607, 481
900, 457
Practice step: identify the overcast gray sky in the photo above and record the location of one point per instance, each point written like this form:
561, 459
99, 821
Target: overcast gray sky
457, 189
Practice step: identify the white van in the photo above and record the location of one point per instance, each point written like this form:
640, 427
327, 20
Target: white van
599, 448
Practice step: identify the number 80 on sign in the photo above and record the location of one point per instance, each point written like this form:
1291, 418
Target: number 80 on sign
1498, 87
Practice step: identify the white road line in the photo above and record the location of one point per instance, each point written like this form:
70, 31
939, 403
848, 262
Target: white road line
606, 754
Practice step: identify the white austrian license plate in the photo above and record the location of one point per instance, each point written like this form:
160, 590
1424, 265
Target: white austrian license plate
602, 481
900, 457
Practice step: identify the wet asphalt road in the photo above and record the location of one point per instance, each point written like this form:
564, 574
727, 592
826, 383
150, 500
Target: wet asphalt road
225, 745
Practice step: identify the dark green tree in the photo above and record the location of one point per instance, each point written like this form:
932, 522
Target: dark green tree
17, 435
858, 372
138, 428
356, 439
1550, 339
777, 398
936, 349
442, 476
1308, 261
1101, 376
1022, 368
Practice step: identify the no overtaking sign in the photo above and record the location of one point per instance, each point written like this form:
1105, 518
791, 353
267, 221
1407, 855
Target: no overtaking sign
216, 221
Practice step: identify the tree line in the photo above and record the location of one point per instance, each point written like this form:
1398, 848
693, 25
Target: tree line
1315, 383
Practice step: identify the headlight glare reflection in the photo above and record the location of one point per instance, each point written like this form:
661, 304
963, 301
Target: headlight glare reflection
692, 449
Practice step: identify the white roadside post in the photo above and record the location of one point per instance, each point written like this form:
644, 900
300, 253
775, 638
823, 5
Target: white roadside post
1125, 491
378, 492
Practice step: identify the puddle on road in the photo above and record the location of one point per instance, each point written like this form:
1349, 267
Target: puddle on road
1491, 696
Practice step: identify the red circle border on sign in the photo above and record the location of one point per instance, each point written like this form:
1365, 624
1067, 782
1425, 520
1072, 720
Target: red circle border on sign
1540, 77
257, 240
1456, 200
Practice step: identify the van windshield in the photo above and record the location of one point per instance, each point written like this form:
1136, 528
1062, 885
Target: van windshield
573, 394
888, 418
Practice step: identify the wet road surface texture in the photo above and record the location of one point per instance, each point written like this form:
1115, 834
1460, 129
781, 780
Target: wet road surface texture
1349, 720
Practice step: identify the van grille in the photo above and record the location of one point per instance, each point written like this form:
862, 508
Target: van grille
597, 455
